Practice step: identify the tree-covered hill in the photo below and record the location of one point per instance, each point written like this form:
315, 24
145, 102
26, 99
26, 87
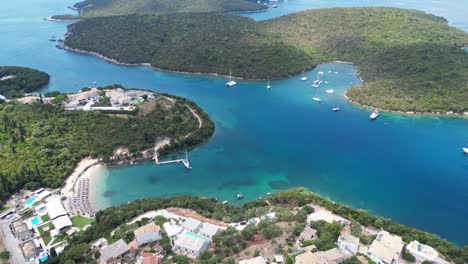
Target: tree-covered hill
16, 81
409, 60
41, 144
94, 8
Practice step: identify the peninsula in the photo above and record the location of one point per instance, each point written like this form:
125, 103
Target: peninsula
42, 138
409, 60
16, 81
97, 8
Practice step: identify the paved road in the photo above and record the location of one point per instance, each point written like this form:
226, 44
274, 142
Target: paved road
11, 244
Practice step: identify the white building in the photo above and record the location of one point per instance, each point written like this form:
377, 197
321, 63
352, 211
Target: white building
422, 252
172, 229
190, 244
209, 230
192, 225
257, 260
114, 252
386, 248
348, 243
57, 214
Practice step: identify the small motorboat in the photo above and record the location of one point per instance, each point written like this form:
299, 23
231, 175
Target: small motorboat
95, 82
268, 193
336, 109
240, 196
316, 99
274, 6
268, 85
225, 202
316, 81
304, 78
465, 150
331, 91
325, 82
315, 85
374, 115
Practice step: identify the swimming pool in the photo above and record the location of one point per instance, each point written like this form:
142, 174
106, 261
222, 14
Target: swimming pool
30, 202
35, 221
195, 236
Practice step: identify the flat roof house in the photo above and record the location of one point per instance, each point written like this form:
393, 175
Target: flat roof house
146, 238
257, 260
55, 208
349, 243
62, 223
192, 225
209, 230
422, 252
308, 258
334, 256
114, 252
386, 248
190, 244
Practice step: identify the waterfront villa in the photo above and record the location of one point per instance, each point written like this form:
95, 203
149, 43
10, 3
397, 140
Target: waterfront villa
422, 252
190, 244
192, 225
58, 215
348, 243
209, 230
386, 248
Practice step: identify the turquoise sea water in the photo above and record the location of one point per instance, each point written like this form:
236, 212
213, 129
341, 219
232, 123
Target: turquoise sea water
410, 169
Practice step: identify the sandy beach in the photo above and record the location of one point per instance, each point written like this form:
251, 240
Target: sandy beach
86, 169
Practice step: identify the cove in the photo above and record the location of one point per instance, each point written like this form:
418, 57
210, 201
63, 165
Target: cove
407, 168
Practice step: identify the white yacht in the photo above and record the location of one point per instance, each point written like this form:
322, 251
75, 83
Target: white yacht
316, 99
374, 115
465, 150
336, 109
231, 83
331, 91
304, 78
225, 202
268, 85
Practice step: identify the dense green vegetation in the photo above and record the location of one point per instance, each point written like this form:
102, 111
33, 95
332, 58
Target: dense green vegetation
41, 144
25, 80
113, 217
409, 60
95, 8
209, 43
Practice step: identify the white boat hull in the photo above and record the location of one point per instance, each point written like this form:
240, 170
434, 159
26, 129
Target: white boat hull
330, 91
465, 150
316, 99
231, 83
304, 79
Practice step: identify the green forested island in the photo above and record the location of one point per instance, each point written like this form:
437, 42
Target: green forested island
409, 60
16, 81
40, 144
291, 208
96, 8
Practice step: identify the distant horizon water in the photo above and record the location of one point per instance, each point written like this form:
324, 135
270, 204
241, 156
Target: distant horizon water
408, 168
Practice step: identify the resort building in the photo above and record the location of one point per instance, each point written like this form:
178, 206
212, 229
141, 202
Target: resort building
257, 260
192, 225
172, 229
21, 231
308, 258
327, 216
190, 244
114, 253
348, 243
209, 230
386, 248
58, 215
422, 252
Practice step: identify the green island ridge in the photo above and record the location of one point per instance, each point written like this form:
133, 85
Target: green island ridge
291, 208
16, 81
41, 143
410, 61
98, 8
